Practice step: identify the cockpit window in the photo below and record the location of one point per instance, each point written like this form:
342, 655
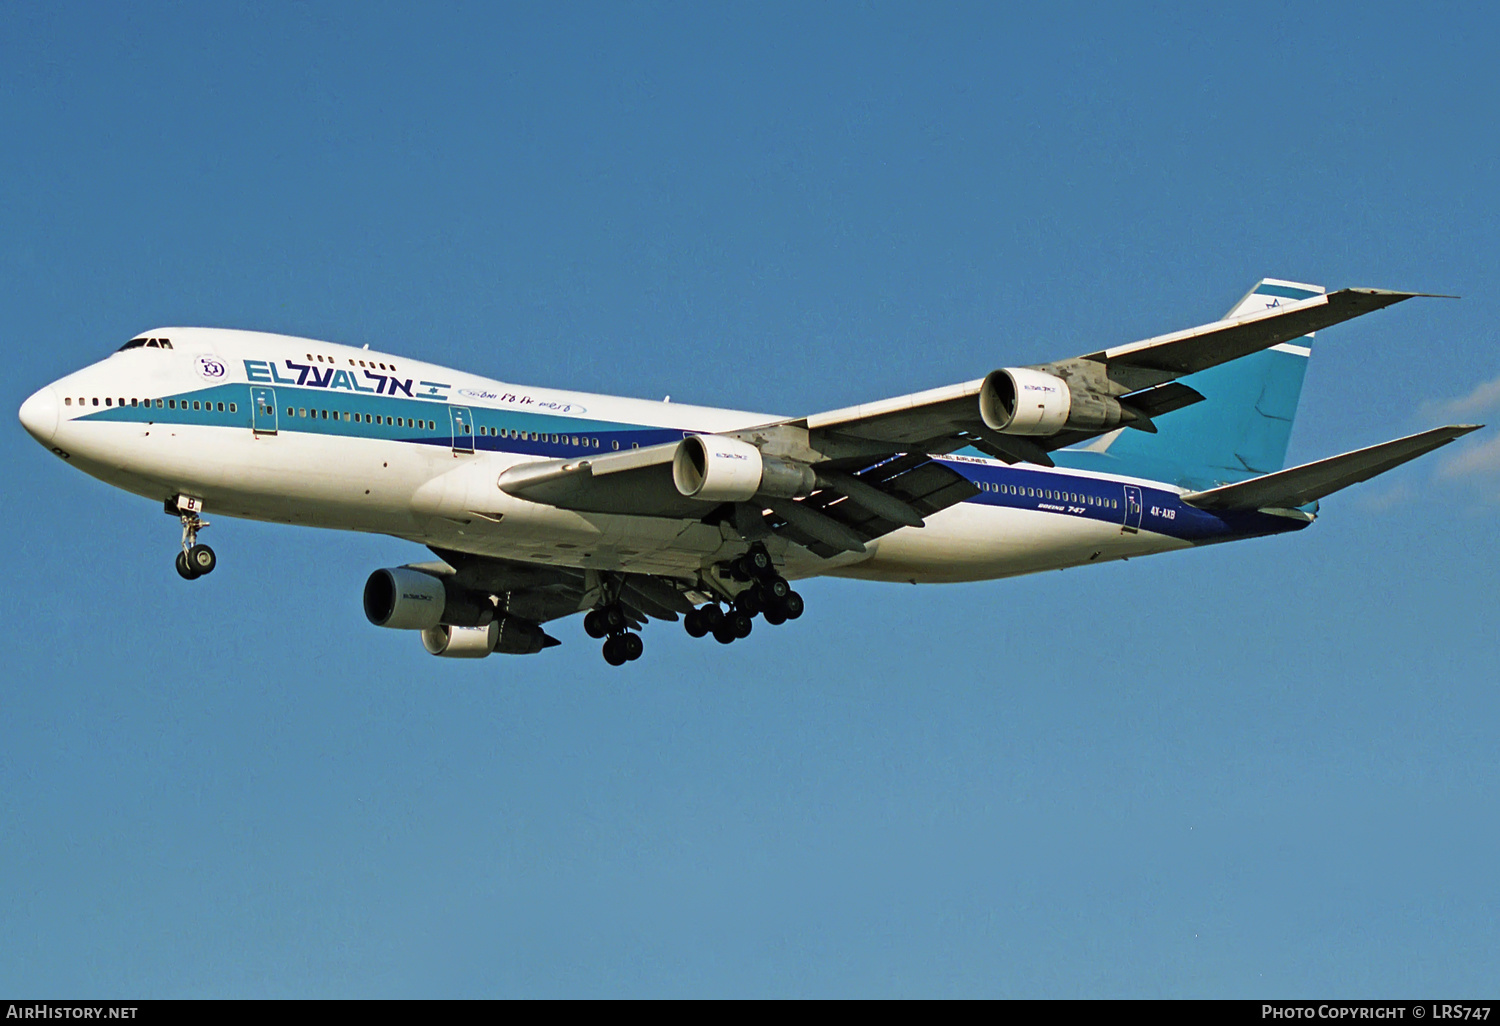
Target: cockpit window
151, 343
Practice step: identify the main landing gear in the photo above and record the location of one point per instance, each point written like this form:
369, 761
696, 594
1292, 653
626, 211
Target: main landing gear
769, 595
195, 559
621, 645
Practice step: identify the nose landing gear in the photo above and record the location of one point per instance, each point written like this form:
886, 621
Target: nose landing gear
195, 559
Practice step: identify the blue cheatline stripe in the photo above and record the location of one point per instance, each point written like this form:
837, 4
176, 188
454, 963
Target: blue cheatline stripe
1088, 498
1285, 292
536, 434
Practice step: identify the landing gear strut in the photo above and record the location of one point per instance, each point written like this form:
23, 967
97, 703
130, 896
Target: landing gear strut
195, 559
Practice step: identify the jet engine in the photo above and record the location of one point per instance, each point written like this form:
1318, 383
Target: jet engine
508, 635
404, 599
455, 623
720, 469
1021, 401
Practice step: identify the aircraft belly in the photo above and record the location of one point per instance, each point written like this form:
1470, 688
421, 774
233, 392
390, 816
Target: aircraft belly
974, 542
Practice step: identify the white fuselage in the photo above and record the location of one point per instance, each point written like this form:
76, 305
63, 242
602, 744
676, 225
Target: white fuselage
290, 430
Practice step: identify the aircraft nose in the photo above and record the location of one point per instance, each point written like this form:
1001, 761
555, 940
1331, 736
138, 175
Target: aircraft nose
39, 415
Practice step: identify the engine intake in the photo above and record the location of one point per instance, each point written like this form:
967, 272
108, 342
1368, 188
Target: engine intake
1021, 401
719, 469
404, 599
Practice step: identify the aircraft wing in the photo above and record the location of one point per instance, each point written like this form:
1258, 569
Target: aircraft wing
1196, 349
1288, 489
854, 501
1140, 376
870, 467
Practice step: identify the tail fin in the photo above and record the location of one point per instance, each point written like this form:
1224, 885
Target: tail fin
1241, 431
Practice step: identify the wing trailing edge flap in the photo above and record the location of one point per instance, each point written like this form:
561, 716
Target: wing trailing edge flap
1288, 489
832, 520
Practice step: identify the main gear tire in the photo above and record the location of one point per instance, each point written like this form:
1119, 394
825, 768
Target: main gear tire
202, 560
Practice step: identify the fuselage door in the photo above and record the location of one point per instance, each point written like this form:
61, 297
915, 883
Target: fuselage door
463, 429
1133, 509
263, 409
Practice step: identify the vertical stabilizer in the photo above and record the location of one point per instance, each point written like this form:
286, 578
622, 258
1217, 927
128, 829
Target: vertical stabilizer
1242, 428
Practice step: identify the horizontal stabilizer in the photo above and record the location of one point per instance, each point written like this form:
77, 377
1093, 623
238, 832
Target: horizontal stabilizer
1288, 489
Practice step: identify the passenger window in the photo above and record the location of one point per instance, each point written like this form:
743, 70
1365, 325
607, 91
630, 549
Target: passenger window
68, 401
615, 445
158, 405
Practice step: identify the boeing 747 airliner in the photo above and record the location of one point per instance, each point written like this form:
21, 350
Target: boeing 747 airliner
541, 503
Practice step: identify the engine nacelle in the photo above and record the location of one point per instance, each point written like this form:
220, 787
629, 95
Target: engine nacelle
404, 599
461, 642
1021, 401
719, 469
506, 634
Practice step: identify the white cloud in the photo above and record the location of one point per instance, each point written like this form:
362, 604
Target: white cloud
1473, 460
1484, 397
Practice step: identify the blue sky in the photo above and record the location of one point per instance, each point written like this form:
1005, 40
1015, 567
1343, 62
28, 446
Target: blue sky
1267, 768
